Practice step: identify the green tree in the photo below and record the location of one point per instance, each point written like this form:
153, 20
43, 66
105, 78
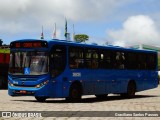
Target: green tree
1, 42
81, 37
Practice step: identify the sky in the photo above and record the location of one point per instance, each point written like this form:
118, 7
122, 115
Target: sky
115, 22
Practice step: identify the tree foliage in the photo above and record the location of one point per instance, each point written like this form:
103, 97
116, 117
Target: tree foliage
1, 42
81, 37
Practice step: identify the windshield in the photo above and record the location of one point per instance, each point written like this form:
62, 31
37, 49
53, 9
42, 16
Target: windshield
28, 63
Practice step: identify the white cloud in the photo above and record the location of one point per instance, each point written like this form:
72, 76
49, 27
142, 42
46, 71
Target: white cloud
20, 17
26, 15
138, 29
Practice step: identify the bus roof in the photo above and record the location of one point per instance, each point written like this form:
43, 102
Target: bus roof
92, 45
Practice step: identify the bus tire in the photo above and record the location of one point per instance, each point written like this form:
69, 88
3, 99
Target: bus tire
103, 96
41, 99
131, 90
75, 93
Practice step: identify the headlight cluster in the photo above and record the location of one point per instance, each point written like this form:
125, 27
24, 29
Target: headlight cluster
10, 83
42, 84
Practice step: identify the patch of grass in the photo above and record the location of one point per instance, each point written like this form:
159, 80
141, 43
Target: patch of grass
4, 51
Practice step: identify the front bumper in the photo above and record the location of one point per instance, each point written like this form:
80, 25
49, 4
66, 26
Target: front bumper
28, 91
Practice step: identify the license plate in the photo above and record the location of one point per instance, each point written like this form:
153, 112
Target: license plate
23, 91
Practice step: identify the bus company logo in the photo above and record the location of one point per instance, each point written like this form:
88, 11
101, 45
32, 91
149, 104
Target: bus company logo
6, 114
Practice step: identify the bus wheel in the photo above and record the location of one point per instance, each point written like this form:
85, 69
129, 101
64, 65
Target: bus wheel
103, 96
41, 99
131, 90
75, 93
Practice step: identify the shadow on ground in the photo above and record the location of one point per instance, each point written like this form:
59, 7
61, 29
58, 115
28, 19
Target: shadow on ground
91, 99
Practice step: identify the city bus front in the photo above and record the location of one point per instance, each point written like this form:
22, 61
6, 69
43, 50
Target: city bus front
29, 69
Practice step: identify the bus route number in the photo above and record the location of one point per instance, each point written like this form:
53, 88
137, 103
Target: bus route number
76, 74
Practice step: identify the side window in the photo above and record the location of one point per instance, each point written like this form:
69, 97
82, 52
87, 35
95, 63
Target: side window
76, 58
120, 60
105, 59
132, 62
88, 60
58, 60
142, 61
91, 58
151, 61
95, 62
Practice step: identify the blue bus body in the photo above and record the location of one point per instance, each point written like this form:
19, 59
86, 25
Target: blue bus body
91, 81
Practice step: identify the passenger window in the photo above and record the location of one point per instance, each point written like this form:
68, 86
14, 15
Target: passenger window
132, 62
120, 60
151, 61
142, 61
95, 61
76, 59
105, 59
92, 57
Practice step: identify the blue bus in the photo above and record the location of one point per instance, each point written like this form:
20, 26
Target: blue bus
64, 69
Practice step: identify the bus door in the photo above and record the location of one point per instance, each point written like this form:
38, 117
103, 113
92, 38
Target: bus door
58, 64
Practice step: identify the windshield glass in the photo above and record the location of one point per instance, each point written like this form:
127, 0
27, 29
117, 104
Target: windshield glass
28, 63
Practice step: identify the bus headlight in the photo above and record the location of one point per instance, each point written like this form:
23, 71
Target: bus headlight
42, 84
10, 83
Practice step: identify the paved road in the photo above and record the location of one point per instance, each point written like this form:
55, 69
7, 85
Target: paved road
144, 101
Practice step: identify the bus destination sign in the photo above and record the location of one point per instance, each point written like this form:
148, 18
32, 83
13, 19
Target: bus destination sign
37, 44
